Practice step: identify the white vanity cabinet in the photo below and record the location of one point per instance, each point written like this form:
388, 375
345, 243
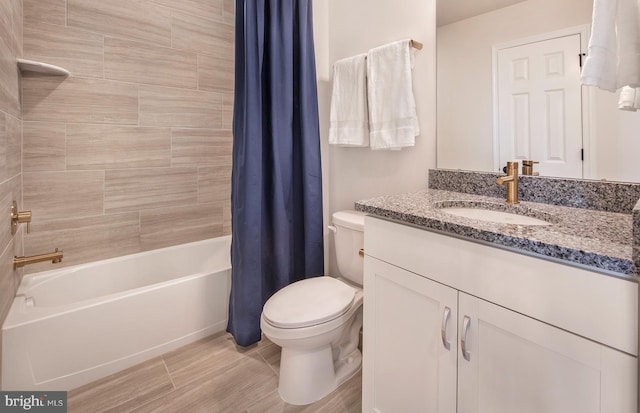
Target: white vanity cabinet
456, 326
408, 367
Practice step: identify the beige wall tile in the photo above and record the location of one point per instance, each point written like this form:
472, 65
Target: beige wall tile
78, 51
136, 20
214, 183
226, 214
10, 146
11, 26
227, 111
164, 227
117, 147
215, 74
8, 286
202, 35
9, 191
142, 63
137, 189
51, 195
18, 23
13, 162
9, 81
209, 9
83, 239
18, 251
46, 11
229, 11
79, 100
180, 108
43, 146
191, 147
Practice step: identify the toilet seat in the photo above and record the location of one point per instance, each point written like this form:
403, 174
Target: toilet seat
309, 302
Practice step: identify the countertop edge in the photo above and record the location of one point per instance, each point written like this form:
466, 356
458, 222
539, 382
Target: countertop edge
611, 265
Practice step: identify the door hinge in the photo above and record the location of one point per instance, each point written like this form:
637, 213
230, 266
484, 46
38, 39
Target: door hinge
582, 154
580, 56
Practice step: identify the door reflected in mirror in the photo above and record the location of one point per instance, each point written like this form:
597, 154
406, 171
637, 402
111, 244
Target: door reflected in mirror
496, 102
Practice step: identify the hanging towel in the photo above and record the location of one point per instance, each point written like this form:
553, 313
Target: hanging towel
349, 118
629, 99
614, 46
392, 109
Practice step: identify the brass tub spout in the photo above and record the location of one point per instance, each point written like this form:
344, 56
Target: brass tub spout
55, 257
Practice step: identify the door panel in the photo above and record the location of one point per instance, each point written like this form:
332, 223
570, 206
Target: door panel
407, 367
540, 105
518, 364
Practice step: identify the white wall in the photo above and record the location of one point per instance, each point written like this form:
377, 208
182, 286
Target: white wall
465, 105
356, 26
321, 43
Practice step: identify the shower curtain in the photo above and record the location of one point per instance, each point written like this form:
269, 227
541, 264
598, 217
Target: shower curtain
276, 196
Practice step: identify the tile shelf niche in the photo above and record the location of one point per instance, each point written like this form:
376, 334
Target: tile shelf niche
43, 68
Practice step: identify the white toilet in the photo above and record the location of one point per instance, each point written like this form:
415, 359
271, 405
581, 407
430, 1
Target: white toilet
317, 321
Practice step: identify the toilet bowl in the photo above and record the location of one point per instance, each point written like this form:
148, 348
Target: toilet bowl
317, 321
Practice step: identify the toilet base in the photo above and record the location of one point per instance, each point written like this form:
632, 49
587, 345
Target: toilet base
306, 377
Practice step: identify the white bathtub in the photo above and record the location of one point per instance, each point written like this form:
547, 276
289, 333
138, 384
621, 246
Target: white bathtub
71, 326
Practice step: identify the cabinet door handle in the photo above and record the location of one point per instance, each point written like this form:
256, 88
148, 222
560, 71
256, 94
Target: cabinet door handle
463, 341
443, 330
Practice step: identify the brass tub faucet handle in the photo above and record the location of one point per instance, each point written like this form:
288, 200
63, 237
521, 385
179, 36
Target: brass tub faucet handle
19, 217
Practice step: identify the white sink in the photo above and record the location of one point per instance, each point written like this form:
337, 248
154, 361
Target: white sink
491, 213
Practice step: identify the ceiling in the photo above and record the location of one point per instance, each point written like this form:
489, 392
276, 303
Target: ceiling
449, 11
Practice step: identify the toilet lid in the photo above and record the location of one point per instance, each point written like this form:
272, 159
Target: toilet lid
308, 302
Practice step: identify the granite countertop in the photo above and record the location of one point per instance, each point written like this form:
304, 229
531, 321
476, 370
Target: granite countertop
598, 239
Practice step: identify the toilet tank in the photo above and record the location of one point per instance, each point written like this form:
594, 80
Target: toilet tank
349, 239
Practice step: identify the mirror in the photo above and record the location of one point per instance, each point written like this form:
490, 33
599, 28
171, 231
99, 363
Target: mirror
469, 38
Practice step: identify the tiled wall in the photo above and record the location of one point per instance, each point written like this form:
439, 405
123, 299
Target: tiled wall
10, 147
133, 151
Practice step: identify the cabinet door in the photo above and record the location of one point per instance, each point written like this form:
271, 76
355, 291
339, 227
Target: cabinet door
514, 363
407, 366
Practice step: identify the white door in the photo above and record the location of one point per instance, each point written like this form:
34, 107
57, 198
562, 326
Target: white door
409, 361
514, 363
540, 105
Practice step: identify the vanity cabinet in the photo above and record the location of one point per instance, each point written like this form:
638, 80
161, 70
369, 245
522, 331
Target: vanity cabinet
455, 326
407, 366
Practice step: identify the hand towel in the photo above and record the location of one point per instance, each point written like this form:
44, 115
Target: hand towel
614, 46
349, 119
629, 99
392, 109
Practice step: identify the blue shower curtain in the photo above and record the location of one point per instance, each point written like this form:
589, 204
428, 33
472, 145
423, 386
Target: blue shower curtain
276, 197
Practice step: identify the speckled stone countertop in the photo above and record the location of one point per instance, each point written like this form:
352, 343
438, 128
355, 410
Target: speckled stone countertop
599, 239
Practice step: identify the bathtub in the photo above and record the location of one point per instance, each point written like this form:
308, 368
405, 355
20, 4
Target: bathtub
74, 325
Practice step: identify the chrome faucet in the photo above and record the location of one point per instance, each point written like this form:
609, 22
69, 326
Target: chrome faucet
511, 179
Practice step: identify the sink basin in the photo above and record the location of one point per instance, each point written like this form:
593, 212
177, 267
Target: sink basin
497, 213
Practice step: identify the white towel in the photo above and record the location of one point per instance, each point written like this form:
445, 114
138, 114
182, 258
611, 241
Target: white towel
614, 46
349, 119
629, 99
392, 109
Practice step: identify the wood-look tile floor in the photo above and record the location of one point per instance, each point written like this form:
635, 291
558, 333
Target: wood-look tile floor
212, 375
